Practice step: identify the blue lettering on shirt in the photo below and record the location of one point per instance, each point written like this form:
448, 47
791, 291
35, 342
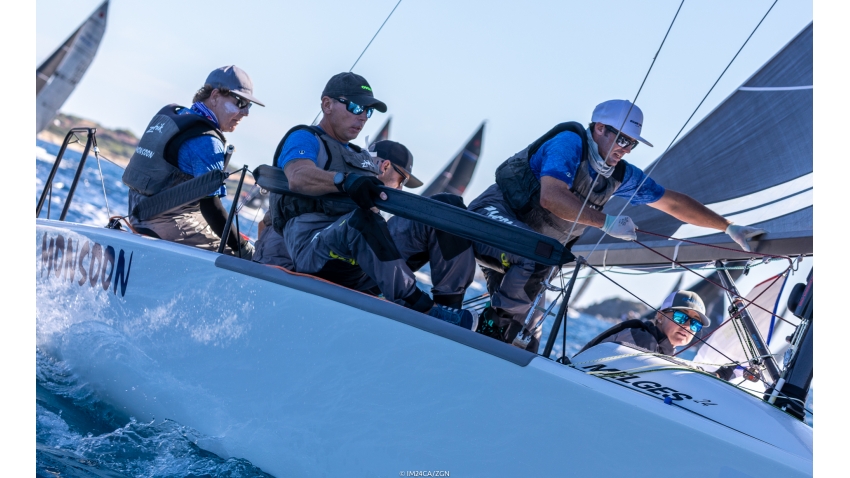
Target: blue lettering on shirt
200, 155
301, 144
560, 156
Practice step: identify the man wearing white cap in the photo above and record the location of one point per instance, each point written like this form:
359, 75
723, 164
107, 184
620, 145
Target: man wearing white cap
182, 143
558, 186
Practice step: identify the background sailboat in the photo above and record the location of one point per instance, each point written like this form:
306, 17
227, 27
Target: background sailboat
750, 160
458, 172
59, 74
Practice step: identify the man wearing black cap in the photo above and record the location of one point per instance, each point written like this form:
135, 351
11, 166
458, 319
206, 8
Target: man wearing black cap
349, 245
182, 143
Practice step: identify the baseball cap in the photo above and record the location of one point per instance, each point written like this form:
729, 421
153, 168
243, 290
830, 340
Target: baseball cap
686, 300
355, 88
613, 112
235, 80
399, 155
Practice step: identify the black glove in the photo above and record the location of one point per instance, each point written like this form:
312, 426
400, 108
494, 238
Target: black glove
363, 189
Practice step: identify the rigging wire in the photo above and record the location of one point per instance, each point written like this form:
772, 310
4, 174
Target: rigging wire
364, 50
660, 158
642, 83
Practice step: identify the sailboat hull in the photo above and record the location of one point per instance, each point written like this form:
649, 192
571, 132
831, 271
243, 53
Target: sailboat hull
305, 378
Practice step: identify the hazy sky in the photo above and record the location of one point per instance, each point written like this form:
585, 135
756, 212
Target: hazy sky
441, 67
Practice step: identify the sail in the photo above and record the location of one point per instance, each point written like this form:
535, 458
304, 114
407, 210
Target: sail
57, 76
456, 175
728, 339
383, 134
749, 160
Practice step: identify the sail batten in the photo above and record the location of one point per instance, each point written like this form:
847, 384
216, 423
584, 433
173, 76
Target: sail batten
749, 160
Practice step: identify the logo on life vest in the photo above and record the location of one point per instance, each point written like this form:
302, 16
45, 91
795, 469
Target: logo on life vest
144, 152
366, 163
155, 128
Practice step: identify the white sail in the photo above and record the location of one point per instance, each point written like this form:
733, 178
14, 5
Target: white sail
57, 76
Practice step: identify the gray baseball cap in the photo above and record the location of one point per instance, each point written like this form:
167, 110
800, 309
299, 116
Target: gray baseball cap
235, 80
686, 300
399, 155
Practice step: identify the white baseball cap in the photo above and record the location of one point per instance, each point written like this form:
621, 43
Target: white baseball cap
613, 113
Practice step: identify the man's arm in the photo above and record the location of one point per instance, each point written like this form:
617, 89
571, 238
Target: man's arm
556, 197
689, 210
306, 178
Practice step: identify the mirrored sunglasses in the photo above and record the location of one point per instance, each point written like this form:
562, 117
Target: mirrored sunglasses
682, 318
354, 108
622, 141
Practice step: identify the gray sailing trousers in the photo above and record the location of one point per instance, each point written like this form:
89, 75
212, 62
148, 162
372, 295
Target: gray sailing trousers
270, 247
513, 281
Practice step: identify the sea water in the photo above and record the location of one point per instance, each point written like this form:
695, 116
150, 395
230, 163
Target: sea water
77, 435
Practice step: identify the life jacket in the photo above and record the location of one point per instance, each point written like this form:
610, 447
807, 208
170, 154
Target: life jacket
648, 327
521, 188
153, 166
333, 156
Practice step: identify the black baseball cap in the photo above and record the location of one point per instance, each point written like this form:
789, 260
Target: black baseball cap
400, 156
355, 88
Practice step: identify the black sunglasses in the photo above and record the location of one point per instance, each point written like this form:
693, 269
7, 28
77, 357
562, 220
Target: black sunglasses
622, 140
400, 173
354, 108
241, 103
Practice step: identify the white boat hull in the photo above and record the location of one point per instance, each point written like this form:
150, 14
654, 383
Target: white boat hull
304, 378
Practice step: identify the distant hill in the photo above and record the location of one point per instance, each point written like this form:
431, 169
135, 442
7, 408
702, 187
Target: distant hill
115, 144
616, 309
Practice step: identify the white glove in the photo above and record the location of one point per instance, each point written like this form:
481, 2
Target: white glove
620, 227
740, 234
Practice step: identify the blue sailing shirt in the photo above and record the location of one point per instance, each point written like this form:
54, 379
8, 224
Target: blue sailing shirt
560, 156
301, 144
201, 155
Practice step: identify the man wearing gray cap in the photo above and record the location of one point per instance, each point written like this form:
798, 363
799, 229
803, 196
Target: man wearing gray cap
558, 186
347, 244
182, 143
680, 317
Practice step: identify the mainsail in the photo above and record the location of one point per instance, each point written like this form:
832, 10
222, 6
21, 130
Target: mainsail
57, 76
749, 160
456, 175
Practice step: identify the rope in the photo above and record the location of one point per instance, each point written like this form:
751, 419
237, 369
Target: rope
661, 158
772, 256
364, 50
640, 88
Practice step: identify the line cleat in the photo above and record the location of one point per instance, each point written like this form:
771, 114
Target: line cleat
466, 318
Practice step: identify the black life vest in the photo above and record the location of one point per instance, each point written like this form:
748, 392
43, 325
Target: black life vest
153, 166
521, 188
332, 156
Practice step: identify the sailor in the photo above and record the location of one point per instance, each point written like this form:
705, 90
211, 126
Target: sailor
544, 188
352, 245
182, 143
680, 317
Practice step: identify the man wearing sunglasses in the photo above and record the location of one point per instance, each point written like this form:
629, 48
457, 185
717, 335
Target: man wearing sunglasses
183, 143
680, 317
558, 186
348, 245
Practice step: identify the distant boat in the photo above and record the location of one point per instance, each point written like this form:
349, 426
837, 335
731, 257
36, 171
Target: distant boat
57, 77
456, 175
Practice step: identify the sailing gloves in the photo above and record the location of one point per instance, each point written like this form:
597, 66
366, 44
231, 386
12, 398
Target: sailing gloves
363, 189
740, 234
620, 227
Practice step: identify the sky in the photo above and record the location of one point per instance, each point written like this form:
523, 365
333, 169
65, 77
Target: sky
443, 67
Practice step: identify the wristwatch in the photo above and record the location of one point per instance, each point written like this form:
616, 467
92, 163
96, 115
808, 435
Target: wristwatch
339, 179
